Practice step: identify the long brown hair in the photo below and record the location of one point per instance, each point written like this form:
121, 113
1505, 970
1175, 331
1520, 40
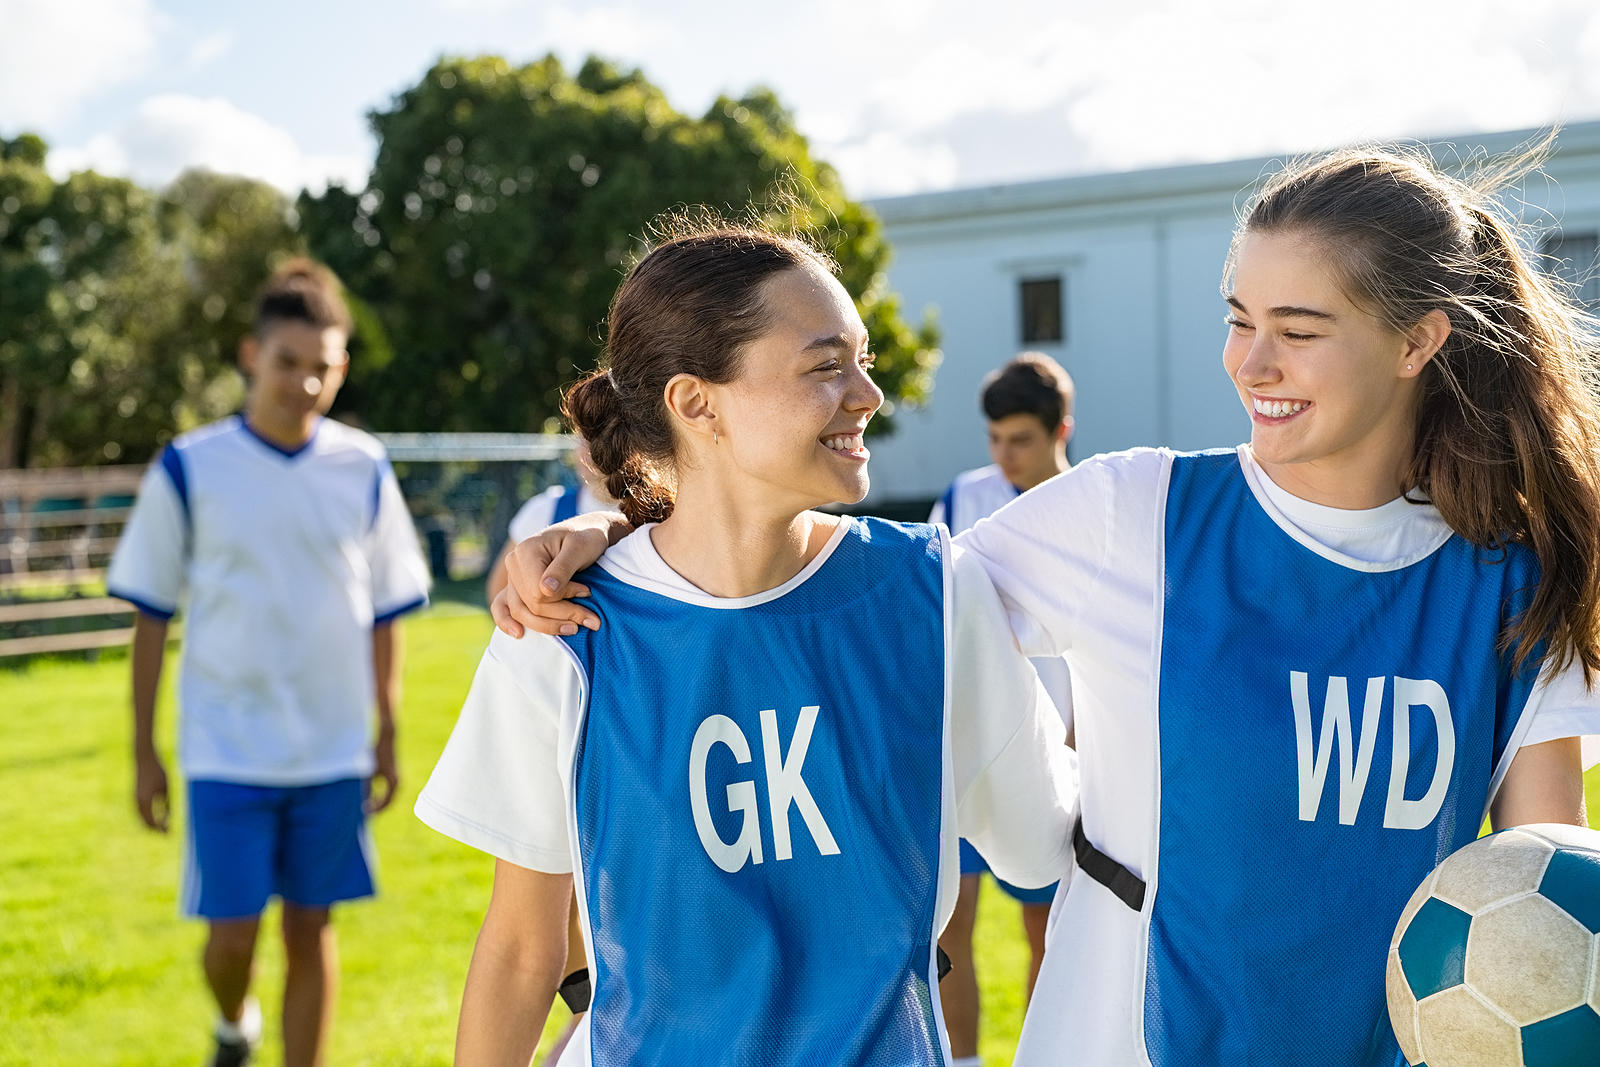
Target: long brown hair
689, 307
1508, 429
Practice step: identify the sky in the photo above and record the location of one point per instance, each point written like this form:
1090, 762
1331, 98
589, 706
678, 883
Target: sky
901, 95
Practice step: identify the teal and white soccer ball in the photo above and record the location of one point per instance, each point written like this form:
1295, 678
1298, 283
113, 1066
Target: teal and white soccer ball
1496, 960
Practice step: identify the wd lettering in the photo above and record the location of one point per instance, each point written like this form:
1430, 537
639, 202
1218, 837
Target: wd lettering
1314, 755
785, 788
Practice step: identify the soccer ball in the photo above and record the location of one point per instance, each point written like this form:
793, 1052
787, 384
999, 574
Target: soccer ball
1496, 960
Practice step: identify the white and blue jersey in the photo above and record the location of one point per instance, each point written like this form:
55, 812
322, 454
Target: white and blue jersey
284, 561
759, 797
1279, 739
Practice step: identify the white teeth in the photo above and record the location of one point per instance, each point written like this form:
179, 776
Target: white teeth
843, 443
1277, 409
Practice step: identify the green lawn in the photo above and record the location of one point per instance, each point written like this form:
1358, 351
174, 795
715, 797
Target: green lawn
96, 968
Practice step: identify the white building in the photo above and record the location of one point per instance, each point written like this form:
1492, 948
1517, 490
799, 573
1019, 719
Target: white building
1117, 277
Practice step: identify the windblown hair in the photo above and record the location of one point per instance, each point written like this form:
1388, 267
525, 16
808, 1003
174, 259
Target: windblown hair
302, 290
688, 307
1032, 384
1508, 430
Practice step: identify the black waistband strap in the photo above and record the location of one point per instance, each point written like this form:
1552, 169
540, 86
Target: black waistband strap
1128, 886
575, 990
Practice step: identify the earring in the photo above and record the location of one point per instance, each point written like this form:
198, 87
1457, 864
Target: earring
713, 436
1408, 366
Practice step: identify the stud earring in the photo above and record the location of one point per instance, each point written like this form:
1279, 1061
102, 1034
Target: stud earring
1408, 366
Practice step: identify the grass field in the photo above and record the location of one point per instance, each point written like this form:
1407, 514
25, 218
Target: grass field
96, 968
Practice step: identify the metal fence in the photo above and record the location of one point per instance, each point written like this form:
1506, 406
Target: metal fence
58, 528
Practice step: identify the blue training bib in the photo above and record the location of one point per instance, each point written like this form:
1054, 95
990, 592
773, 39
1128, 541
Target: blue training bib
1328, 735
758, 803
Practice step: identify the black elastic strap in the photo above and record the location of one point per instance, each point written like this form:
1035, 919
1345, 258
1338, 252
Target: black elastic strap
1128, 886
575, 990
944, 961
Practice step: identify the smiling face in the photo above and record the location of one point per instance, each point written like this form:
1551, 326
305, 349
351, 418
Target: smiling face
1331, 390
789, 426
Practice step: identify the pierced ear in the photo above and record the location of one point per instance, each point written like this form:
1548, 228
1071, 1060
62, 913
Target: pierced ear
688, 401
1424, 341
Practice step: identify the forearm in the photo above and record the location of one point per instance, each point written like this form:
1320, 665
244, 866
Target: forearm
149, 650
516, 965
1544, 784
388, 647
507, 999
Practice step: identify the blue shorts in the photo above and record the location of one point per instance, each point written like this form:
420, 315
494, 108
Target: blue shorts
248, 843
973, 863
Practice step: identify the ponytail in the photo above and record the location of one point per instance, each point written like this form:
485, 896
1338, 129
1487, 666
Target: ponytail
619, 448
1508, 429
689, 307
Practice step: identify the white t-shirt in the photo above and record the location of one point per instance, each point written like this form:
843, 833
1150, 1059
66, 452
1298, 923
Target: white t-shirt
540, 511
503, 783
977, 494
286, 561
1076, 561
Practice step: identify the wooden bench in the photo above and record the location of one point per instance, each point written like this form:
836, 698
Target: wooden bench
62, 547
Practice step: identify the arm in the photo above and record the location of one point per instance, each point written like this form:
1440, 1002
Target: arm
387, 647
1544, 784
519, 960
497, 574
1015, 780
540, 572
150, 777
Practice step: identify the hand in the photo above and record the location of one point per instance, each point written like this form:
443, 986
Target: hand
150, 791
539, 589
387, 771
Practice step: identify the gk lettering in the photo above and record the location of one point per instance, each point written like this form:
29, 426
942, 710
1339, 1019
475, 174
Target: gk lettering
1355, 759
785, 786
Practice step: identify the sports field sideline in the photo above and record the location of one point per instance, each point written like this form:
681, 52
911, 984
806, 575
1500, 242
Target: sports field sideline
96, 968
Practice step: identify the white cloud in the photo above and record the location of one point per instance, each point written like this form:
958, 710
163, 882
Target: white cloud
210, 48
1169, 81
607, 31
56, 54
171, 132
889, 163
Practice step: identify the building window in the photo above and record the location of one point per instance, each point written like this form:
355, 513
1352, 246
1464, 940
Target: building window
1572, 258
1041, 311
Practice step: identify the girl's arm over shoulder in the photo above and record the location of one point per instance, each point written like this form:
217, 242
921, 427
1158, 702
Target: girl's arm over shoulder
539, 591
1016, 780
1047, 550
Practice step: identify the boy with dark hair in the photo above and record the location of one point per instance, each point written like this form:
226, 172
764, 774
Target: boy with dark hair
1028, 403
286, 537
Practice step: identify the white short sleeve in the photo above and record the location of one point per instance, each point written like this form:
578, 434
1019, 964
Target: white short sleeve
1569, 709
533, 516
500, 785
1016, 780
400, 578
151, 559
1061, 528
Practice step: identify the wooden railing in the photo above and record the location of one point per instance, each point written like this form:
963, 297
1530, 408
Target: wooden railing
61, 548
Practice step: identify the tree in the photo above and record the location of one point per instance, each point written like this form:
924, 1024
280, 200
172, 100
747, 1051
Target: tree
505, 205
120, 308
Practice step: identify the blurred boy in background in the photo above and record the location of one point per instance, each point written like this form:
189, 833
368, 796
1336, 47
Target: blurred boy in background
1028, 403
285, 536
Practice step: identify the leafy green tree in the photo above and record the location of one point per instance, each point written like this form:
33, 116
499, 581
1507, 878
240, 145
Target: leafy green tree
120, 309
505, 205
